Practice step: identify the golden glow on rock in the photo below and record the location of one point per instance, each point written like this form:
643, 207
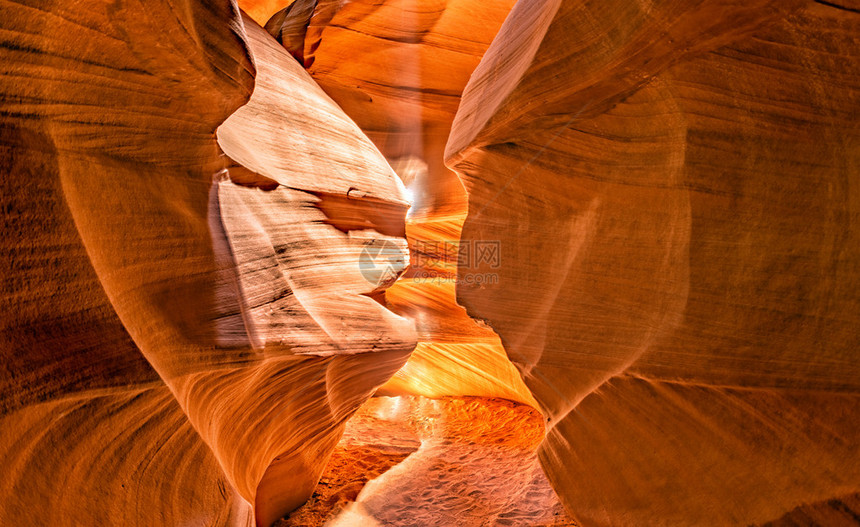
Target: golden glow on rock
410, 460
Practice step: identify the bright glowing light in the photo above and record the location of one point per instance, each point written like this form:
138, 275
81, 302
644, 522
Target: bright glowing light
389, 408
410, 196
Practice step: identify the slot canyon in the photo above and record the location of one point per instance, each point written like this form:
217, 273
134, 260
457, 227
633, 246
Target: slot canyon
430, 263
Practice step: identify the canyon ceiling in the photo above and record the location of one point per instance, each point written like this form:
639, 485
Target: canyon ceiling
669, 191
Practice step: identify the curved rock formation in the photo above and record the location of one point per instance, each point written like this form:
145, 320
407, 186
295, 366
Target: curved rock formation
167, 309
398, 68
299, 261
197, 240
672, 187
449, 461
262, 10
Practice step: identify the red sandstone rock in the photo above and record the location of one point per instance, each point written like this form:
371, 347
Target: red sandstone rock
673, 190
398, 68
186, 326
179, 324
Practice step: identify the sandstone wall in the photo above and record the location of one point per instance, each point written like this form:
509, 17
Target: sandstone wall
674, 186
168, 354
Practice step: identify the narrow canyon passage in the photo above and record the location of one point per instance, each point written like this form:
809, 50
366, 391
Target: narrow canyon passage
414, 461
611, 245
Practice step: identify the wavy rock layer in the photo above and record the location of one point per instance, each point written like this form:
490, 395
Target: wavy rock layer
184, 333
398, 68
455, 356
673, 190
467, 462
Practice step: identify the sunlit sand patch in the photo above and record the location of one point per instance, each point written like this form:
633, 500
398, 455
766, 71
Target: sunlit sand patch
413, 461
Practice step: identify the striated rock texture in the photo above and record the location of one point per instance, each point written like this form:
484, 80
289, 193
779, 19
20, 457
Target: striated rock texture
674, 188
398, 68
197, 239
184, 332
467, 462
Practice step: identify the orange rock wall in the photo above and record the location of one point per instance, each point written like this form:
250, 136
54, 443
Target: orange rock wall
673, 188
398, 68
167, 356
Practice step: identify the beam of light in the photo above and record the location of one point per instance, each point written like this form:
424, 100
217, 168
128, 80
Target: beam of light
410, 197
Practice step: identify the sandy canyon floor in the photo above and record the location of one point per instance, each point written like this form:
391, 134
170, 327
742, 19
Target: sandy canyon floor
412, 461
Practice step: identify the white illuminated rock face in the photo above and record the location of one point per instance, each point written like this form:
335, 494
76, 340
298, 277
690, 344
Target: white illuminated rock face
398, 68
299, 247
